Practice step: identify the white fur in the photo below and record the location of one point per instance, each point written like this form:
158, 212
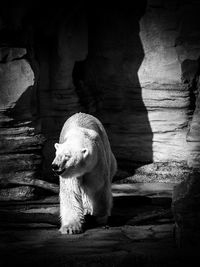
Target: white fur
88, 165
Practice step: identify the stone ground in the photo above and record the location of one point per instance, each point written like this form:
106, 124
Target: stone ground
140, 233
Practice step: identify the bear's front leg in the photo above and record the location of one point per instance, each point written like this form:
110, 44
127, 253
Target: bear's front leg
71, 206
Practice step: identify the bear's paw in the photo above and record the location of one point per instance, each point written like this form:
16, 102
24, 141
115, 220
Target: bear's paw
73, 228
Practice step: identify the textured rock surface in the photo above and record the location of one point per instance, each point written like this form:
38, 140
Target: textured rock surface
20, 140
186, 195
139, 82
188, 50
186, 210
140, 234
163, 172
17, 193
99, 247
193, 137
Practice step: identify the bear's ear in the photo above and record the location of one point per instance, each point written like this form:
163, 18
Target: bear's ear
85, 152
56, 145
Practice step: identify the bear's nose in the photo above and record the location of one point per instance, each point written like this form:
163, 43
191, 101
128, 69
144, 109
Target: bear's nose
54, 167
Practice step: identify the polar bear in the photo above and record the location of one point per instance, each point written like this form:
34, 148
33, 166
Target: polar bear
85, 165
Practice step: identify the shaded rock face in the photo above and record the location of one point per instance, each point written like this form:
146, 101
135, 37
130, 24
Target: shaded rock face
185, 202
193, 136
138, 65
186, 198
186, 210
57, 54
166, 99
114, 58
20, 139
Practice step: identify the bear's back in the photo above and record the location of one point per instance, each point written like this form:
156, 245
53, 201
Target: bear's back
85, 121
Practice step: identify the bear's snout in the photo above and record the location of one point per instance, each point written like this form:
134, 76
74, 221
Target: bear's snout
54, 167
58, 165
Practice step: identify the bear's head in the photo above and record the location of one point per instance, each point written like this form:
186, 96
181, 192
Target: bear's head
71, 159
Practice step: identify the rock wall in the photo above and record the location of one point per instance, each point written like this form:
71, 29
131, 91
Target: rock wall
166, 98
185, 202
114, 57
169, 78
135, 66
193, 137
20, 137
138, 66
136, 69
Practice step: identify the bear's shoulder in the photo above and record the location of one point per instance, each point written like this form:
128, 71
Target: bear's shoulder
81, 133
82, 121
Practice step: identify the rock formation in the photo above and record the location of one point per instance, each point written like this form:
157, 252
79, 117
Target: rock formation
20, 137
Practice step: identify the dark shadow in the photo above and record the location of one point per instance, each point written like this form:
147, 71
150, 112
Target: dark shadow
108, 85
24, 109
127, 208
87, 96
190, 72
